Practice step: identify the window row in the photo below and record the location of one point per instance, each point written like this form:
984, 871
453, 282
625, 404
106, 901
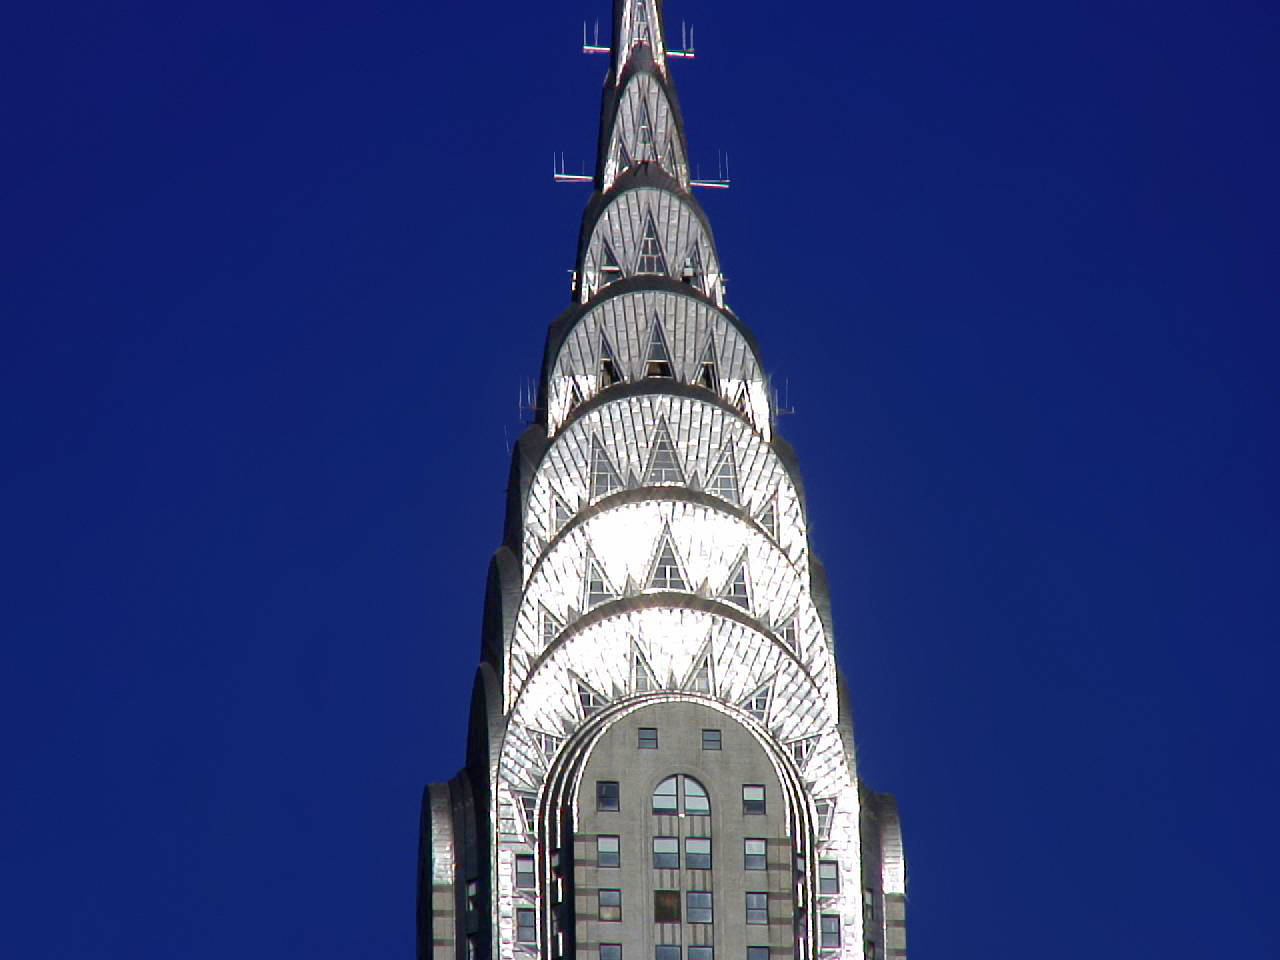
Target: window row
673, 951
697, 856
679, 794
647, 739
698, 907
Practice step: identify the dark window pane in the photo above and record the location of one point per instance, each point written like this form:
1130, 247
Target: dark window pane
757, 908
666, 853
698, 904
524, 872
648, 738
610, 905
607, 854
697, 853
710, 739
610, 951
607, 794
753, 854
526, 926
829, 925
757, 953
752, 798
828, 876
666, 906
701, 953
667, 951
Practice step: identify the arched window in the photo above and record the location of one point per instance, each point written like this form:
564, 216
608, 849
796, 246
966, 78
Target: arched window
681, 794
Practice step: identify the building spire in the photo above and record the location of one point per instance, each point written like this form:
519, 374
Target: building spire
637, 24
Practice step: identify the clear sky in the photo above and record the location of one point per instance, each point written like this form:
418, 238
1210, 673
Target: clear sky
273, 277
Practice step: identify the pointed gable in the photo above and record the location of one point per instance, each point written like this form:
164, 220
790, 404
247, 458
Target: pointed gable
768, 517
651, 258
590, 700
737, 589
657, 360
596, 588
610, 269
757, 704
701, 678
663, 466
607, 363
665, 572
642, 679
723, 479
709, 367
605, 478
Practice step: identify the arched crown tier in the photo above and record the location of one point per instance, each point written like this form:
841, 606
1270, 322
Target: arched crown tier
629, 334
645, 129
644, 228
643, 441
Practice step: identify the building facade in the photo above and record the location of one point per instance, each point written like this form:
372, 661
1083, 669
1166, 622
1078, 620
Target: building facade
660, 759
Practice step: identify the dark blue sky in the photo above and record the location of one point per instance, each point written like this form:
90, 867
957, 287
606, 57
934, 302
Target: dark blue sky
274, 273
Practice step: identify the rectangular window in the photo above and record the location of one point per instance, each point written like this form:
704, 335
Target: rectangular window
829, 927
648, 738
753, 854
607, 852
610, 951
698, 906
667, 951
666, 853
697, 853
757, 908
757, 953
710, 739
752, 798
868, 907
473, 896
701, 953
524, 872
610, 905
828, 876
666, 906
607, 794
526, 926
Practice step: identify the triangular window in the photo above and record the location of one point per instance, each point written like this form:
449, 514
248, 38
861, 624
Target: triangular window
651, 259
560, 512
641, 676
708, 369
549, 745
604, 475
597, 589
528, 811
743, 402
663, 465
666, 573
691, 272
575, 396
551, 627
700, 679
758, 703
802, 750
641, 33
610, 269
768, 517
657, 362
610, 373
786, 631
624, 158
723, 481
736, 590
589, 700
644, 131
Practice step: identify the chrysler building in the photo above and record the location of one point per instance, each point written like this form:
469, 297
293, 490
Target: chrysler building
660, 760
